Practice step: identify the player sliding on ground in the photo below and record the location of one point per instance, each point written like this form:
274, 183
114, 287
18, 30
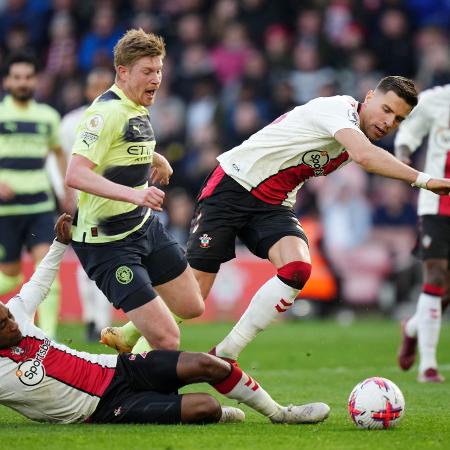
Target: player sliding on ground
252, 192
50, 382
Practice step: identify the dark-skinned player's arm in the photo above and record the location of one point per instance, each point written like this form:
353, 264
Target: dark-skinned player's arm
36, 289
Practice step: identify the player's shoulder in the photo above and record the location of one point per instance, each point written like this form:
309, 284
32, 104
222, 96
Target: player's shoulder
109, 104
435, 95
44, 110
338, 101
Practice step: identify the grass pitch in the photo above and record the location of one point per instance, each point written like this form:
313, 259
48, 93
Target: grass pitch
296, 362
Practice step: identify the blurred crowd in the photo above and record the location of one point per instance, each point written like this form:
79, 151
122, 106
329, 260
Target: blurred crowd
235, 65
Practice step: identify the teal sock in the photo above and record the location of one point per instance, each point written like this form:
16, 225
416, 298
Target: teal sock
48, 311
9, 283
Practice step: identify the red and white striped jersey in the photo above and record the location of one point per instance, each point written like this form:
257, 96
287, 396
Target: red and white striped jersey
275, 161
43, 380
430, 117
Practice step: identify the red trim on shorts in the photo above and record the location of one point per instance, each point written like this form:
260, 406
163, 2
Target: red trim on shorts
430, 289
227, 385
212, 183
444, 200
275, 189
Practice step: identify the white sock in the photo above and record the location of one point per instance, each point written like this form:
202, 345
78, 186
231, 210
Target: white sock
86, 297
272, 299
241, 387
429, 326
411, 325
103, 309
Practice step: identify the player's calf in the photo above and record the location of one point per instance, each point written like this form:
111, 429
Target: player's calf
200, 408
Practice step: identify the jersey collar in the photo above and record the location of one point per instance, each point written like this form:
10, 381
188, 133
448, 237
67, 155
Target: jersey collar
116, 89
8, 101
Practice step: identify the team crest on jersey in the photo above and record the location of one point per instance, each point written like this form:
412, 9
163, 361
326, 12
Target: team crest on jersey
353, 117
442, 137
204, 240
124, 275
317, 159
17, 351
32, 371
94, 123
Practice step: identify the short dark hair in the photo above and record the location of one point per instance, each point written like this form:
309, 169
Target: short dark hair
403, 87
20, 57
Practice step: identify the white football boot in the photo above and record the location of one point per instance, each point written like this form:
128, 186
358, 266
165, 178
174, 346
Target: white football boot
309, 413
231, 415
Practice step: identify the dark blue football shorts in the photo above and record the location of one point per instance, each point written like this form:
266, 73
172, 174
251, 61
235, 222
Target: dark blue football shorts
27, 230
126, 270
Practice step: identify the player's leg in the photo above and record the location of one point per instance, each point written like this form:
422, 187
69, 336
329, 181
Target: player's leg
11, 240
290, 256
40, 235
424, 325
119, 273
429, 311
96, 310
144, 391
48, 310
235, 384
10, 276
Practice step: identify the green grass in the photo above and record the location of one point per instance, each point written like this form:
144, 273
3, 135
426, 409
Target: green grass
296, 362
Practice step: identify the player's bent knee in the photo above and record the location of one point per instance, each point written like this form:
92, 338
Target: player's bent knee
165, 341
295, 274
196, 309
212, 368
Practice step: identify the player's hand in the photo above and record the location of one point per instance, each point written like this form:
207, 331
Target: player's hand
161, 170
6, 193
63, 228
439, 186
151, 197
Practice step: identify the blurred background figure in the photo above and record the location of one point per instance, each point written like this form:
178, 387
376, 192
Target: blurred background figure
96, 309
29, 131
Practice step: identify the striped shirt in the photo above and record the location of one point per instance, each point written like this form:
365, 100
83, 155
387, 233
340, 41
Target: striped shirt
26, 136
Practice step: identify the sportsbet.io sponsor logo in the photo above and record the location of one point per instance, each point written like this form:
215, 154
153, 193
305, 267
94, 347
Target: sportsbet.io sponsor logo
316, 159
32, 371
124, 275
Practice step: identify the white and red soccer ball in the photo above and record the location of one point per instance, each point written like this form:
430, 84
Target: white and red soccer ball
376, 403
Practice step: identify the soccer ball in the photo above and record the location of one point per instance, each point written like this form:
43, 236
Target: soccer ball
376, 403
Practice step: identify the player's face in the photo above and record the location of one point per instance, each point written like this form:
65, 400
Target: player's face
21, 81
382, 113
9, 329
142, 79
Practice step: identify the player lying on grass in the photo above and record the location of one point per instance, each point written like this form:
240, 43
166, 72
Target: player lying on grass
50, 382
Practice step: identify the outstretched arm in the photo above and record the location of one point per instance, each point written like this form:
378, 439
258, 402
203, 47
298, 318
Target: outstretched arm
376, 160
80, 175
36, 289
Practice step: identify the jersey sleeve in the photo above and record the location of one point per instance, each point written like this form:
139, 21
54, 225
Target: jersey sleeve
36, 289
417, 125
334, 114
98, 128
